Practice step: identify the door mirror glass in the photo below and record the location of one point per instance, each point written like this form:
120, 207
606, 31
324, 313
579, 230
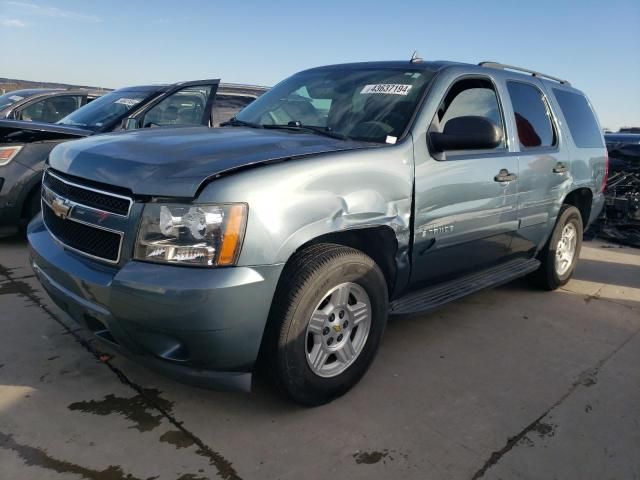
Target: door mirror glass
467, 133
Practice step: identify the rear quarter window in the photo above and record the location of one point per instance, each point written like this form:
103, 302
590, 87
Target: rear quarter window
580, 119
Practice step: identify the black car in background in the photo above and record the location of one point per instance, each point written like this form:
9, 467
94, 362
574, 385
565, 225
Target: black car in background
45, 104
25, 145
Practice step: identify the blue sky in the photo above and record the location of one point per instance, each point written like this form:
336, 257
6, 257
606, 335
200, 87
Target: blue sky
594, 44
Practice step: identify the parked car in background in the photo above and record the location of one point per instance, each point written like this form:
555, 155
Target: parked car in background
343, 194
620, 219
45, 104
24, 146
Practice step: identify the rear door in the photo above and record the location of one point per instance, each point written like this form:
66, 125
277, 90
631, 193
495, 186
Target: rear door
465, 217
544, 166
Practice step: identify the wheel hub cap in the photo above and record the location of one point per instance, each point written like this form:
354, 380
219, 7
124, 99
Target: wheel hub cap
566, 249
338, 329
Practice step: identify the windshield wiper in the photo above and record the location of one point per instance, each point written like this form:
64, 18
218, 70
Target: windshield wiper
297, 126
234, 122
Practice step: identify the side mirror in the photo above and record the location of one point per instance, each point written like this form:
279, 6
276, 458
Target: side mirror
466, 133
129, 123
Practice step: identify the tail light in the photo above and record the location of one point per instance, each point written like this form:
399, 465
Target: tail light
606, 171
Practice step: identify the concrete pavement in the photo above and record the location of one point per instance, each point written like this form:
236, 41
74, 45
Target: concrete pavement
508, 383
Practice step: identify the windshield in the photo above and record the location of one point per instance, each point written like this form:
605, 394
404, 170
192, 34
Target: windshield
12, 97
370, 104
105, 109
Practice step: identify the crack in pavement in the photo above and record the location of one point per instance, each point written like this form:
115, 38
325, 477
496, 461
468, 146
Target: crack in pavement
586, 378
223, 466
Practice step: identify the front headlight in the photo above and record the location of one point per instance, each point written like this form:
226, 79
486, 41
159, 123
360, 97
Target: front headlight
207, 235
7, 154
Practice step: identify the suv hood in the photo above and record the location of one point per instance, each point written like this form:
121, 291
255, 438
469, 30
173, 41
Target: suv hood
20, 131
175, 162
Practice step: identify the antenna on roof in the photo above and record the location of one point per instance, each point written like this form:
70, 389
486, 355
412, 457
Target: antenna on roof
415, 57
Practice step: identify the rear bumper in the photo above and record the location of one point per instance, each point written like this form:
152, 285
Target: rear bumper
199, 326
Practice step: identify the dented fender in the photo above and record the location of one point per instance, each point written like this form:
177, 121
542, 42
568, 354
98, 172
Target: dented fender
292, 203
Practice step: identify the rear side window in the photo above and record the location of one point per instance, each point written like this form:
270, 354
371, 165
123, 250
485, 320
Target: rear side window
532, 115
580, 118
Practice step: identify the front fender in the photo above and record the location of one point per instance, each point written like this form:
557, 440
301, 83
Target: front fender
293, 202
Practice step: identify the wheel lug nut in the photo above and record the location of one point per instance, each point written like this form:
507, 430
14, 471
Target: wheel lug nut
340, 337
332, 317
345, 324
341, 314
325, 331
330, 341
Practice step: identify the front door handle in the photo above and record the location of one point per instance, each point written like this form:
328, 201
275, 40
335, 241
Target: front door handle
504, 176
560, 168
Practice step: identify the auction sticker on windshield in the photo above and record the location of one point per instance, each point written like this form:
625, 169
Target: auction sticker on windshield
129, 102
387, 89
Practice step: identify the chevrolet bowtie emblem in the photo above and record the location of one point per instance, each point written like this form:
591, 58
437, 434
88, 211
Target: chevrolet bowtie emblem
337, 328
60, 207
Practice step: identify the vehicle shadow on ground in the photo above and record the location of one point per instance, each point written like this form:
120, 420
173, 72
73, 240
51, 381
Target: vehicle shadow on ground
620, 274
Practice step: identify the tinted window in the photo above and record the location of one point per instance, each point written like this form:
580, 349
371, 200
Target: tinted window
533, 118
185, 107
469, 97
226, 106
51, 109
580, 118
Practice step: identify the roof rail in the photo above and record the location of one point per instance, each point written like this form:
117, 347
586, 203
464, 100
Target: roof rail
533, 73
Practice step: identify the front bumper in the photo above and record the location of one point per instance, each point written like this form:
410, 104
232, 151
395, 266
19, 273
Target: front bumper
197, 325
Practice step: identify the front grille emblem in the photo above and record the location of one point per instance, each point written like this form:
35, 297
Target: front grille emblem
61, 207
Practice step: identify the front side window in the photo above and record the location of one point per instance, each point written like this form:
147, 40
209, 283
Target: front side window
470, 97
51, 109
532, 116
369, 104
104, 110
184, 107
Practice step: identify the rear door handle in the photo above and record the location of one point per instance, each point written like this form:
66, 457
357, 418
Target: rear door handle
504, 176
560, 168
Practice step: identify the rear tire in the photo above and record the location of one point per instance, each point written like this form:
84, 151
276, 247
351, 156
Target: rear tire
559, 256
327, 320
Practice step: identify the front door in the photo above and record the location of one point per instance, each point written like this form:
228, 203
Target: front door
465, 201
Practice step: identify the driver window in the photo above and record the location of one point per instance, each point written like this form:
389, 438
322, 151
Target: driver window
184, 107
469, 97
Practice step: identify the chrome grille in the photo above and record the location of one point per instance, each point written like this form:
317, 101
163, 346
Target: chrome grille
94, 242
84, 219
87, 196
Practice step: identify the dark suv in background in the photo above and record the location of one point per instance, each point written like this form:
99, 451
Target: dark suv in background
45, 104
24, 146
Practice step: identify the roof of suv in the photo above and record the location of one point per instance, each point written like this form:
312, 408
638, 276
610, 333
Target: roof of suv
438, 65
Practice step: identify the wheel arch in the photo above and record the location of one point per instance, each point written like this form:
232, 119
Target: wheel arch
378, 242
582, 199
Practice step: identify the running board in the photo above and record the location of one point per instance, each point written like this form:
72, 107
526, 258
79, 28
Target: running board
436, 296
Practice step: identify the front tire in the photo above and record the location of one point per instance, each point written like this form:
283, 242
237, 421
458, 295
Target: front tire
559, 256
328, 318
